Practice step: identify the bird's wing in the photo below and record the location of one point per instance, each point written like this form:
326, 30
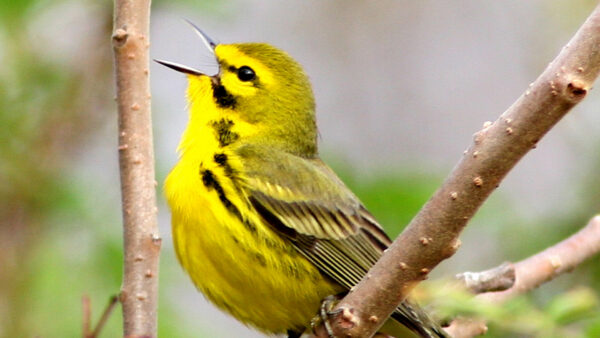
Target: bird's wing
305, 201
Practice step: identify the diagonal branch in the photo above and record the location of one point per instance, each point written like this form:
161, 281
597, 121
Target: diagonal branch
432, 235
139, 292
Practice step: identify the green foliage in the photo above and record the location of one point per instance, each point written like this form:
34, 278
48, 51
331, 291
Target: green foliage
9, 10
566, 315
573, 306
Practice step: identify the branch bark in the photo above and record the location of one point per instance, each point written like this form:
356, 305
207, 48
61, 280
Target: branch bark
139, 291
432, 235
536, 270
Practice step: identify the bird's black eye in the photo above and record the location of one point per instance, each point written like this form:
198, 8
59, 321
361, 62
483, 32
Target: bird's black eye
246, 73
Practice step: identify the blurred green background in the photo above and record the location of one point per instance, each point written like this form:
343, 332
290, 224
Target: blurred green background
400, 87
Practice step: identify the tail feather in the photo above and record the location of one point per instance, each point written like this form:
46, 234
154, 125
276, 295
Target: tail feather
417, 320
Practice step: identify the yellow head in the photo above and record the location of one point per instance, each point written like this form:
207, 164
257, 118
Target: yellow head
264, 87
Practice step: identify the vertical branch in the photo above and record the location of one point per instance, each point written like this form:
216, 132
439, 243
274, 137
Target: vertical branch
139, 291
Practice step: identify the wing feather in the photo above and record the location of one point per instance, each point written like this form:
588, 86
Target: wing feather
337, 240
323, 220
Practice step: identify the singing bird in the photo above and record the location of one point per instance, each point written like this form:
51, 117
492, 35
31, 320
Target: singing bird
264, 228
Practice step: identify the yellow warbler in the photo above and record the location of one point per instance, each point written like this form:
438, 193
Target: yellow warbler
264, 228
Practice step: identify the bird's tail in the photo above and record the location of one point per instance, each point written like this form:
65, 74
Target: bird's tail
418, 321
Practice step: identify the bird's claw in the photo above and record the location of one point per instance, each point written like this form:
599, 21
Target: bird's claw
325, 312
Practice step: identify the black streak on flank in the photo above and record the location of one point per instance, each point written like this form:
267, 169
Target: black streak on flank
221, 160
210, 182
224, 133
223, 98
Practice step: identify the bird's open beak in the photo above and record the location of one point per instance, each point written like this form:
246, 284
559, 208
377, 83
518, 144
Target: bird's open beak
208, 42
179, 67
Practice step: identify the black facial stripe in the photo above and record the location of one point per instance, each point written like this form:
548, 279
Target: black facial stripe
223, 98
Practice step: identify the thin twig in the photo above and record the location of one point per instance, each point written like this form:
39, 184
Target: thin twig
432, 235
538, 269
112, 302
87, 316
546, 265
139, 291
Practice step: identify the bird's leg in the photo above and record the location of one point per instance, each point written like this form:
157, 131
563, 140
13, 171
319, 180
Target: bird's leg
325, 312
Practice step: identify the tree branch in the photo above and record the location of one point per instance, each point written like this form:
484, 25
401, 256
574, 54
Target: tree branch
139, 292
432, 235
548, 264
87, 317
499, 278
536, 270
